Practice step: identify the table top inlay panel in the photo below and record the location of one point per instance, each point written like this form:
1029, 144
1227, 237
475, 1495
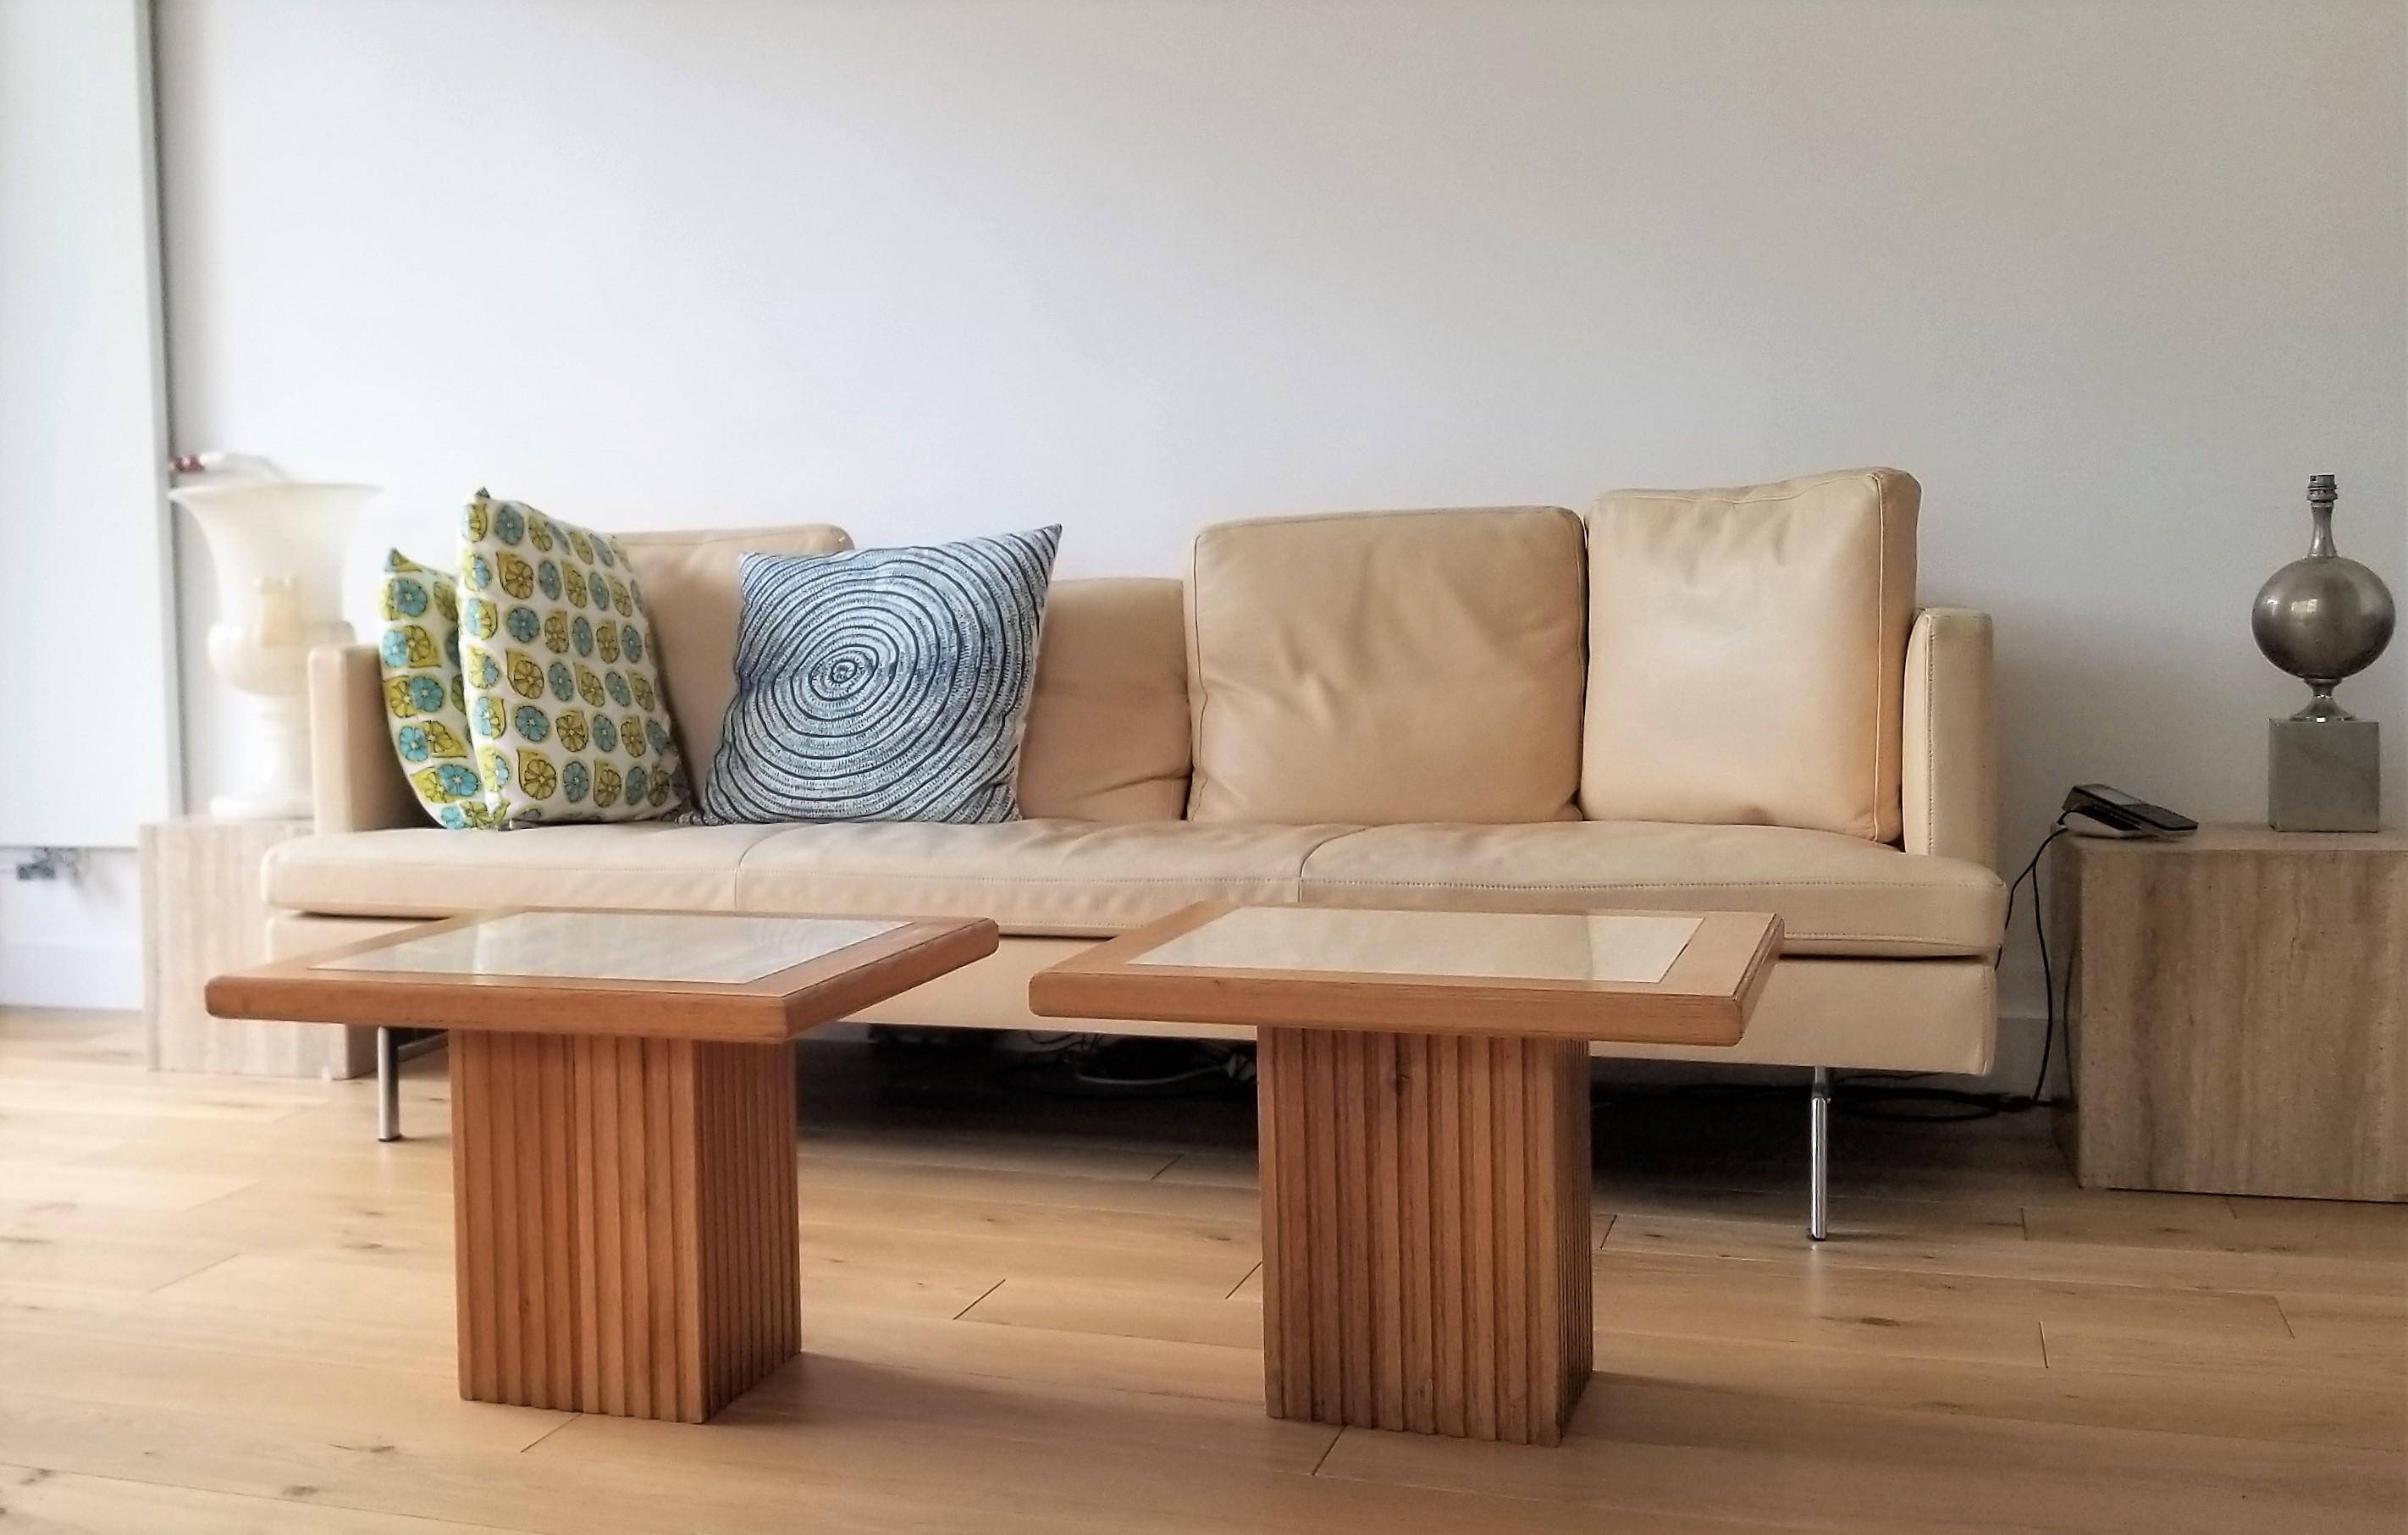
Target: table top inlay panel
731, 976
1494, 945
618, 946
1651, 977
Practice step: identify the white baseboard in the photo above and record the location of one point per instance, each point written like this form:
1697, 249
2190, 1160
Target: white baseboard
37, 974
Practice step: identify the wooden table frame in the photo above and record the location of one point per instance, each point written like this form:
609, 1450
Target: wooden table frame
1424, 1152
622, 1158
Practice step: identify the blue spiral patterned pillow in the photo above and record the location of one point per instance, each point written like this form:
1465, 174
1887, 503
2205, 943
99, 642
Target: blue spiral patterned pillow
883, 685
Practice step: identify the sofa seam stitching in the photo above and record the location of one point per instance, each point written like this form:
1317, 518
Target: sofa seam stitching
1944, 946
952, 879
1931, 736
1194, 879
1194, 615
1293, 519
1881, 605
1651, 884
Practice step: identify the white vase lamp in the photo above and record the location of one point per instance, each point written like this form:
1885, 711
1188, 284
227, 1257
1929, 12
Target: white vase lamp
278, 546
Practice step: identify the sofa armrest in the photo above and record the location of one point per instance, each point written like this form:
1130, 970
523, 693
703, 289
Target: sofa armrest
356, 780
1949, 777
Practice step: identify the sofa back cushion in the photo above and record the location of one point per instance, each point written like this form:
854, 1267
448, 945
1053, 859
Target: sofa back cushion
691, 588
1746, 651
1375, 668
1107, 737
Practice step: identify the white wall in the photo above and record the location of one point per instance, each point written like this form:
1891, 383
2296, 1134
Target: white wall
2111, 279
89, 750
75, 941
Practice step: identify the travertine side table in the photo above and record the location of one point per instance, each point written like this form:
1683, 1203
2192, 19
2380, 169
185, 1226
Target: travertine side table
2239, 1004
203, 914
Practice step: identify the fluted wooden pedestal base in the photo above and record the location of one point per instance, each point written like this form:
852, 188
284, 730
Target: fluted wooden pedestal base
626, 1223
1425, 1232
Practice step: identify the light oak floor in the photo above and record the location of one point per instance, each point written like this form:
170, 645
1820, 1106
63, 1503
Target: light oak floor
224, 1308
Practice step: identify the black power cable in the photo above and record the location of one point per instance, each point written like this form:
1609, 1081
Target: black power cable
1948, 1104
1129, 1066
2047, 978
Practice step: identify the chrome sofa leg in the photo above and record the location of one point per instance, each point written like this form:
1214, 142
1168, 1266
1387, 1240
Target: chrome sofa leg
1818, 1156
388, 1085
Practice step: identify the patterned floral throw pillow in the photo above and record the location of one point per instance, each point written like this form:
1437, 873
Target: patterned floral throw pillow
564, 698
425, 706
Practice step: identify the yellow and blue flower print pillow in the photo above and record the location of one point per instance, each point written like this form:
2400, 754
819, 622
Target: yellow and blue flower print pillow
424, 705
565, 711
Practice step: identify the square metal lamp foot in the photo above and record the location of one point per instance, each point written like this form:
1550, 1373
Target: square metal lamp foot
2324, 775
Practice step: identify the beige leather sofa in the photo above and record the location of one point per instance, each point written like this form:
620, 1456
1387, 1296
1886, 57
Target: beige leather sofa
1686, 700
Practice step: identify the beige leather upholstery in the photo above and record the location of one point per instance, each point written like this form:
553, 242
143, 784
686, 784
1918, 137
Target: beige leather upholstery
1746, 649
291, 935
1834, 894
355, 779
1386, 666
1031, 876
1071, 877
691, 597
1863, 1014
1877, 1015
426, 871
1837, 894
993, 994
1107, 734
1948, 778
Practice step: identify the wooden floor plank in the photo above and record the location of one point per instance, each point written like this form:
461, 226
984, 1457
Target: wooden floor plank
343, 1401
2212, 1401
1645, 1445
31, 1255
1215, 1203
1122, 1310
35, 1499
223, 1306
111, 1189
2006, 1255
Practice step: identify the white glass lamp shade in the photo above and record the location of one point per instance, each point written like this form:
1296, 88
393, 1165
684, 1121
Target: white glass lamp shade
278, 546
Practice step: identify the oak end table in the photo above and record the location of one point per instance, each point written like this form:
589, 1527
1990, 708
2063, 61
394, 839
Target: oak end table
623, 1122
1422, 1083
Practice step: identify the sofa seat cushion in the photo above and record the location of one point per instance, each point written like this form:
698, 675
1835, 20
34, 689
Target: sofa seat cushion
1835, 894
649, 866
1838, 894
1078, 878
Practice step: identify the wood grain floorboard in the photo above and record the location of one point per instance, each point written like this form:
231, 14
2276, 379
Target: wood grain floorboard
43, 1502
1646, 1447
223, 1307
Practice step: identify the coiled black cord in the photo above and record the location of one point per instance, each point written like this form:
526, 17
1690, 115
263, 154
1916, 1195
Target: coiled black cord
1859, 1095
